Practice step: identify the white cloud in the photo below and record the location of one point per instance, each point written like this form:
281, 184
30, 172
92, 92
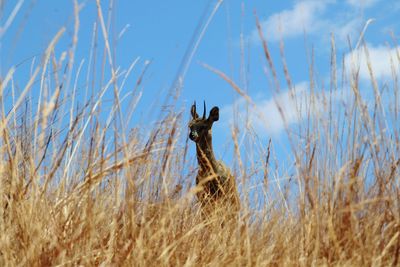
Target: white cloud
381, 58
362, 3
310, 17
304, 16
266, 118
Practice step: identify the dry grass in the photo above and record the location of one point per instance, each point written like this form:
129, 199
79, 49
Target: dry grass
70, 196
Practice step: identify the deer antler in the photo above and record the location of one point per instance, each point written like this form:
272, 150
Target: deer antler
204, 112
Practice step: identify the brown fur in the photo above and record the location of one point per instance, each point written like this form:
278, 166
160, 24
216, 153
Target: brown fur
215, 181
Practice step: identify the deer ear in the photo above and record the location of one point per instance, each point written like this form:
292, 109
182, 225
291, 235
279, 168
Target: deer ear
193, 111
214, 114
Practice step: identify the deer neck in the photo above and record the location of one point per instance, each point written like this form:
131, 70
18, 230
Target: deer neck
205, 153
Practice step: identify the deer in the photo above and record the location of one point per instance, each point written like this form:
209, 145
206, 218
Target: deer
214, 180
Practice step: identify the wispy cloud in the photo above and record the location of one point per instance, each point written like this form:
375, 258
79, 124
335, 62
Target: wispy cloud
311, 17
346, 28
304, 16
270, 116
362, 3
383, 61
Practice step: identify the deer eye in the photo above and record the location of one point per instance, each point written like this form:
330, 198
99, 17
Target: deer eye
195, 128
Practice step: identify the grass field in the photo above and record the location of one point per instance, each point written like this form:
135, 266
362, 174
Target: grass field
79, 190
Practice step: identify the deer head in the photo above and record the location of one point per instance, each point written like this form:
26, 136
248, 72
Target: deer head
200, 128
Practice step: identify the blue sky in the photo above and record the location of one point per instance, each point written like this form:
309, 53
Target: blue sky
160, 32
